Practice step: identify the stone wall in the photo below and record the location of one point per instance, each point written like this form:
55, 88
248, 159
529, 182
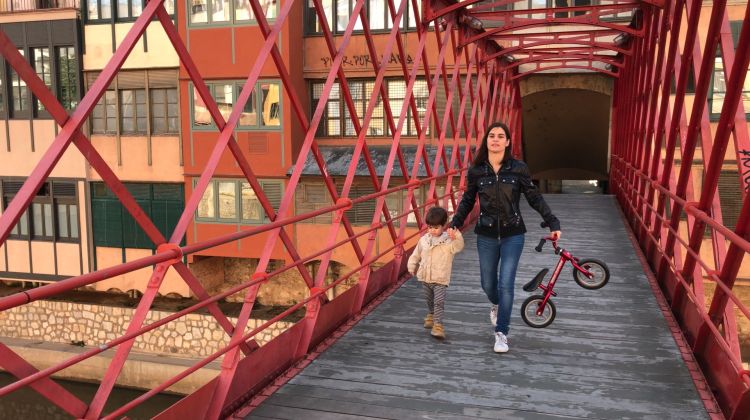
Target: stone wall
218, 274
91, 325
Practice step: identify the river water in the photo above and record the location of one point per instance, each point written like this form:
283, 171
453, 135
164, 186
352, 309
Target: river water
27, 404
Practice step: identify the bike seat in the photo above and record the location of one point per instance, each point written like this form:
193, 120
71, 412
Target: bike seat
536, 281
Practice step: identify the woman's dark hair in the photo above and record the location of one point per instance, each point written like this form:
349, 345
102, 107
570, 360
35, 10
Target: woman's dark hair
482, 152
436, 216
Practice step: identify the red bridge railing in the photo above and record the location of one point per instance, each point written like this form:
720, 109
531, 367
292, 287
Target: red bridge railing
662, 175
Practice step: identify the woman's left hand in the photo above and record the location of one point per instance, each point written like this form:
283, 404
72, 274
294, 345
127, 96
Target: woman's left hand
556, 235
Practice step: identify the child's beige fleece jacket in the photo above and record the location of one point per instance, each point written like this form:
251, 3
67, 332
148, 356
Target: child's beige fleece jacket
432, 259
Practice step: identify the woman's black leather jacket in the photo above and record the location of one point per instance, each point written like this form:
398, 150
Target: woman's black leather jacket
499, 194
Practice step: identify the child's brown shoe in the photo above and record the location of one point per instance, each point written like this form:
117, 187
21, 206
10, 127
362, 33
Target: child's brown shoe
428, 321
438, 331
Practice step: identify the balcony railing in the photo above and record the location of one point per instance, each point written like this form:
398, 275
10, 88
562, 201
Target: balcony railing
10, 6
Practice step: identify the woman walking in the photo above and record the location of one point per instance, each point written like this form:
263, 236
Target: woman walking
499, 180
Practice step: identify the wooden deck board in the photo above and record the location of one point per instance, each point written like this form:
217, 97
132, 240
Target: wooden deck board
608, 354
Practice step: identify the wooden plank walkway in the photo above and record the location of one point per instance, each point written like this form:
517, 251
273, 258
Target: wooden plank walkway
608, 354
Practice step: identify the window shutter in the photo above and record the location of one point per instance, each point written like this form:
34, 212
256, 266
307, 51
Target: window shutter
133, 235
139, 191
736, 27
313, 196
361, 213
101, 190
64, 189
170, 192
131, 80
162, 78
273, 191
91, 78
11, 187
730, 197
107, 223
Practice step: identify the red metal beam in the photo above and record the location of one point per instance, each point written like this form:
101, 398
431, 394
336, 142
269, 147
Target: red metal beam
564, 66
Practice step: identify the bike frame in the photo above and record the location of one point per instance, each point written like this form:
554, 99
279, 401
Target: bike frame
565, 256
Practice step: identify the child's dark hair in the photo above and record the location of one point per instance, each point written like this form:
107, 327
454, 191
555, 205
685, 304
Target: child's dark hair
436, 216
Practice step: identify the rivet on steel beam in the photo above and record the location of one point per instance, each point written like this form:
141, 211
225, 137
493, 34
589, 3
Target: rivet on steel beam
259, 277
170, 247
691, 205
346, 201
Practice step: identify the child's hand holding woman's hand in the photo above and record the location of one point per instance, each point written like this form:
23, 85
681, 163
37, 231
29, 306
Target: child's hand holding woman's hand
452, 233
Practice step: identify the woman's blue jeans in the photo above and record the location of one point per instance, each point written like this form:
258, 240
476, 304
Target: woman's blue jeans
499, 288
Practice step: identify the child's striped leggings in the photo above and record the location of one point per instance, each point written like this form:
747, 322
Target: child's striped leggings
435, 295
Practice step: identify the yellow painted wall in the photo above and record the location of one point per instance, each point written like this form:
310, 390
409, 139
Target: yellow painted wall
165, 158
43, 257
21, 160
18, 256
108, 257
98, 39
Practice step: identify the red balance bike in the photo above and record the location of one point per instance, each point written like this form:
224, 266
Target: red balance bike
538, 311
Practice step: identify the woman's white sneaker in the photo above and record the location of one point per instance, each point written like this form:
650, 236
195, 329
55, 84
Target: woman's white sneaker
493, 315
501, 343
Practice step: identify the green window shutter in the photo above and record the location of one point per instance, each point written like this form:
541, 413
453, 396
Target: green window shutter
736, 27
139, 191
107, 223
133, 235
159, 217
165, 215
168, 192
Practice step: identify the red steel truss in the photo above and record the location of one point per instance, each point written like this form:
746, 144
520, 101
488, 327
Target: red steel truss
647, 124
640, 54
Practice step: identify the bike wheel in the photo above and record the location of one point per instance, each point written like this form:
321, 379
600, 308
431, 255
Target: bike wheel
599, 274
529, 308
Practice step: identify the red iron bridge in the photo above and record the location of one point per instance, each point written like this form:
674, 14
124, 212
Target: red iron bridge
664, 338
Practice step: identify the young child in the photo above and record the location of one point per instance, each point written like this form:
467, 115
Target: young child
431, 261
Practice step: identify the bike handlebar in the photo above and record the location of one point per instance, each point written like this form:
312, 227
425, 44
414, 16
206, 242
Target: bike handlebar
539, 247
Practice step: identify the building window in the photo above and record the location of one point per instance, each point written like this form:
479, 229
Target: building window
206, 12
2, 92
104, 117
338, 13
234, 201
113, 226
312, 196
129, 8
133, 111
100, 11
20, 99
261, 112
67, 77
130, 108
719, 83
542, 4
333, 125
43, 69
164, 111
397, 205
52, 214
19, 92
